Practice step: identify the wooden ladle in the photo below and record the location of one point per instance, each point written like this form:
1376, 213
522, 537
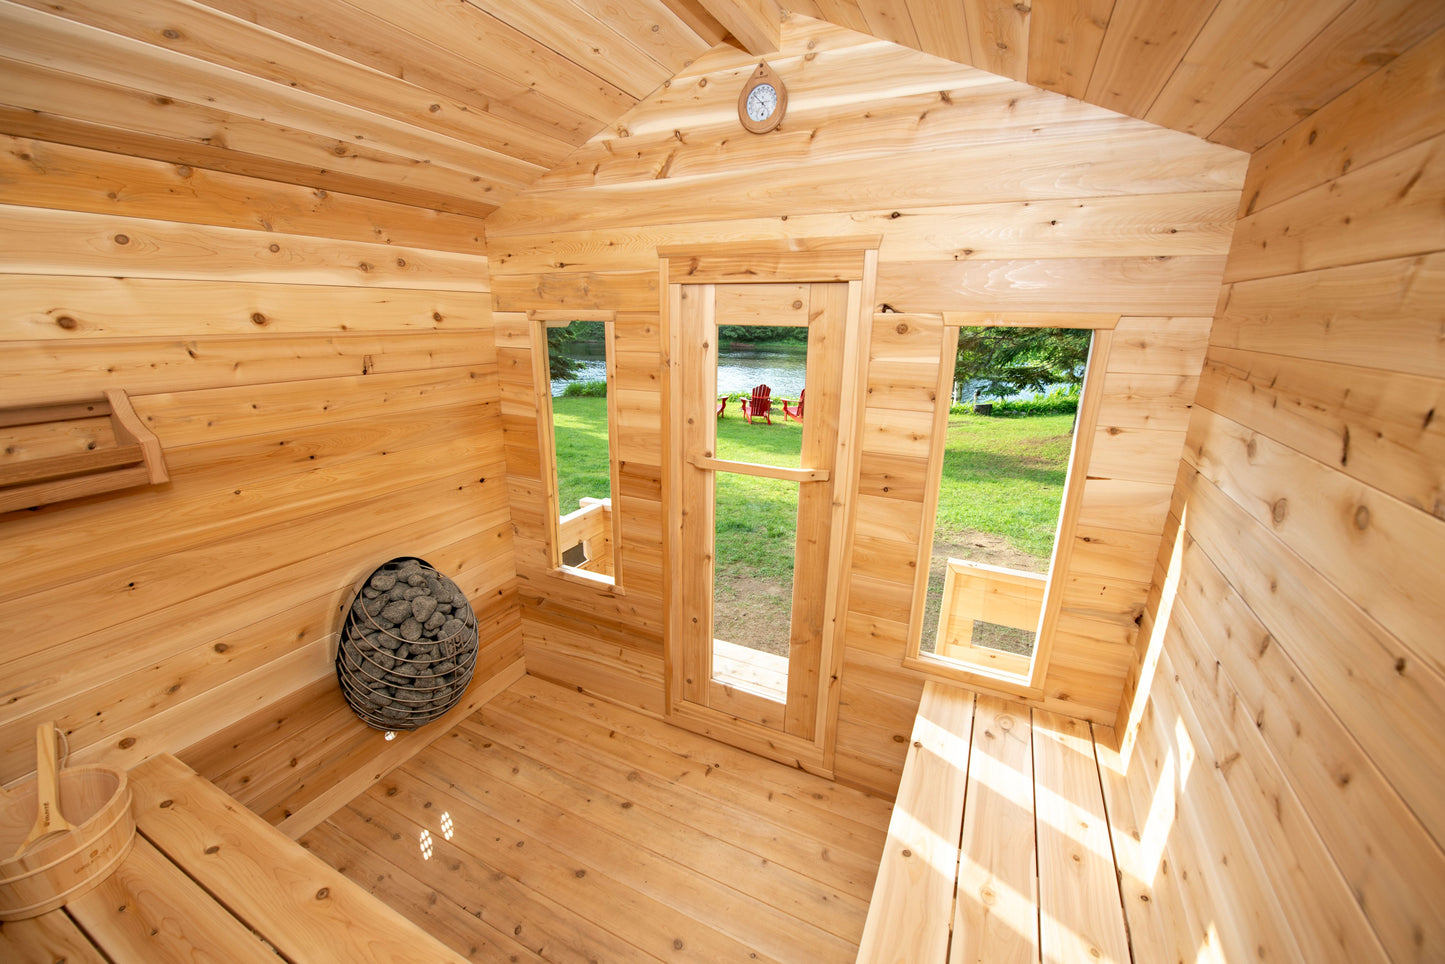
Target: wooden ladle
48, 818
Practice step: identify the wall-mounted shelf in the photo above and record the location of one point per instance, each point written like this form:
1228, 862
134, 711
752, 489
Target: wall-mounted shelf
134, 458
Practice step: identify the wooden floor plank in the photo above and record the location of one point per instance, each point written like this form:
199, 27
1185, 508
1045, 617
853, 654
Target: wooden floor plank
586, 832
804, 802
851, 805
149, 912
996, 915
46, 939
750, 832
632, 859
424, 905
912, 907
497, 901
588, 890
1080, 914
700, 848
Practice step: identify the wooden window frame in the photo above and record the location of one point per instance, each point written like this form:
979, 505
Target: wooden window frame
1030, 684
537, 324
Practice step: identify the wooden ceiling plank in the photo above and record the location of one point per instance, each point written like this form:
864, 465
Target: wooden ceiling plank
756, 24
1242, 45
890, 20
1351, 131
84, 51
998, 31
803, 8
942, 29
219, 39
1145, 41
844, 13
830, 75
75, 48
571, 32
653, 28
1370, 34
94, 114
358, 36
698, 20
484, 40
1064, 41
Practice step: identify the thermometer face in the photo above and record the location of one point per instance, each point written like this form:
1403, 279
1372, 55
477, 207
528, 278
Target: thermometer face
762, 102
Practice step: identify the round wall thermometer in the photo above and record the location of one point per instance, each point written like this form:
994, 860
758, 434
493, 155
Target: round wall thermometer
762, 101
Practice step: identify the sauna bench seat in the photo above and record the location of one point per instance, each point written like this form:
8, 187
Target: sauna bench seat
208, 879
998, 845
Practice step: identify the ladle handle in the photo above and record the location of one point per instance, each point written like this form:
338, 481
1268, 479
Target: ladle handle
47, 779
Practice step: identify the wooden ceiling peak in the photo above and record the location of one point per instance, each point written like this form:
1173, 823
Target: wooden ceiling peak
459, 105
756, 24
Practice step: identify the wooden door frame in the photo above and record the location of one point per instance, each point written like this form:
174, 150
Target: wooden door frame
853, 261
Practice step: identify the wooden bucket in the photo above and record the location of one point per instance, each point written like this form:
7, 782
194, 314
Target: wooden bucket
61, 867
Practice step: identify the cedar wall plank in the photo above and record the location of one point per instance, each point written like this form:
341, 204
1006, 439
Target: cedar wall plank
1043, 204
327, 399
1290, 683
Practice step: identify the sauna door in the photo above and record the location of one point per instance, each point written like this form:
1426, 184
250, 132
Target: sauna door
738, 689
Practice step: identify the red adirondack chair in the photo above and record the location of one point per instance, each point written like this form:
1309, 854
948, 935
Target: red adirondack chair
722, 405
760, 405
795, 412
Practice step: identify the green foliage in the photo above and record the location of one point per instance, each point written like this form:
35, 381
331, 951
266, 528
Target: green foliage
561, 343
1061, 401
1013, 360
596, 389
768, 335
559, 364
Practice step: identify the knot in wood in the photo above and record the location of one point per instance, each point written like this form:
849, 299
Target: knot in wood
1280, 510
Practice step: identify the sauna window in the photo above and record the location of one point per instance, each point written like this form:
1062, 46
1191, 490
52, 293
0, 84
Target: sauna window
579, 442
1002, 469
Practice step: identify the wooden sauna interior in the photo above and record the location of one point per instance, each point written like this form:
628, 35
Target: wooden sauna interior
316, 243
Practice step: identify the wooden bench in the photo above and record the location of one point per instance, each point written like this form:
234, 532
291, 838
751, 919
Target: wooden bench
298, 760
1025, 870
208, 879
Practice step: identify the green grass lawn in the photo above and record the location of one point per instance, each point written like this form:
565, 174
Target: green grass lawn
580, 427
1005, 476
1003, 483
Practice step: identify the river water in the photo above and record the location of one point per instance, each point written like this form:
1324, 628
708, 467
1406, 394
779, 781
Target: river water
738, 372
